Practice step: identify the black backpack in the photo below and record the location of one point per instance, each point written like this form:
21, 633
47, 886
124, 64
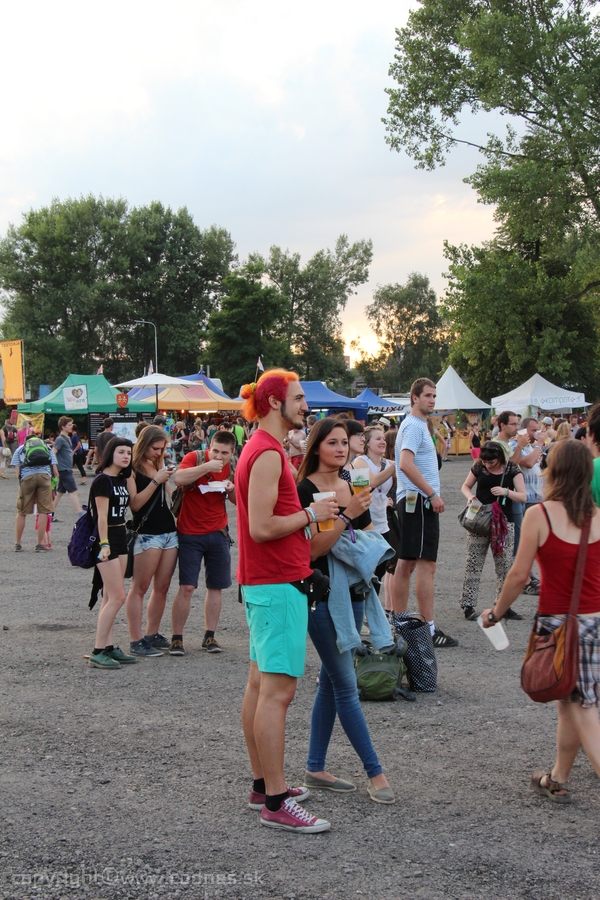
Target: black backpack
37, 453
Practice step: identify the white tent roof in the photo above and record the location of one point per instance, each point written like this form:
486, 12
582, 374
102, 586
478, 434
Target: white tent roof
452, 393
541, 393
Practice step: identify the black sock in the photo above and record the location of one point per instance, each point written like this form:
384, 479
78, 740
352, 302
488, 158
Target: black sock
177, 637
108, 649
258, 785
273, 801
208, 634
98, 650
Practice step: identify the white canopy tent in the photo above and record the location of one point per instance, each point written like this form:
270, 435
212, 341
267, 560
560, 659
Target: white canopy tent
453, 393
537, 393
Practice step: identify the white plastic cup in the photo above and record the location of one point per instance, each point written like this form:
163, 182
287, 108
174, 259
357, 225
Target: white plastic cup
473, 509
328, 524
496, 634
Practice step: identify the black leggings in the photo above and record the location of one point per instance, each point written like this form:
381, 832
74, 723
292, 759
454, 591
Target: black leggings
79, 459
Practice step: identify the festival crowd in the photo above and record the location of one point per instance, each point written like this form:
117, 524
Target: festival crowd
330, 515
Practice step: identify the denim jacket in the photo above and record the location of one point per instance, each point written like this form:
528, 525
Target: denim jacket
352, 565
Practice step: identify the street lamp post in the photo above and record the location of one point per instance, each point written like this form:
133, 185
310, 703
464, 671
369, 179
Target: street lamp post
146, 322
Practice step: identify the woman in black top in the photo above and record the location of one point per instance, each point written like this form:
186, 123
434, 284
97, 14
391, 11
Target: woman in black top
326, 454
475, 441
155, 548
109, 499
493, 480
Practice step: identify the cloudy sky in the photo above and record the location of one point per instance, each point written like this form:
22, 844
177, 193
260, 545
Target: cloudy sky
260, 116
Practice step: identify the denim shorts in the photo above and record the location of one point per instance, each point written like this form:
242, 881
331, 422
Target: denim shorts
277, 616
167, 541
213, 548
66, 482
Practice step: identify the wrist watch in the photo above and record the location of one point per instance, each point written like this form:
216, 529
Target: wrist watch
491, 617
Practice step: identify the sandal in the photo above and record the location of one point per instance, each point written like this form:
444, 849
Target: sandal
550, 789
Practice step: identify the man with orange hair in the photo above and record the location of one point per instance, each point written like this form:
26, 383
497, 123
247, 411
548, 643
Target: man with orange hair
274, 553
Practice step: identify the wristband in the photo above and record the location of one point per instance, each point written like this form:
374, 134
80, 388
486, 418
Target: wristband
506, 494
431, 496
349, 526
312, 516
154, 481
103, 544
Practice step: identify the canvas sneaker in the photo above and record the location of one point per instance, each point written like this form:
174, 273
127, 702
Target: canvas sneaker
18, 548
123, 658
211, 645
143, 648
257, 800
158, 641
41, 548
103, 661
292, 817
176, 648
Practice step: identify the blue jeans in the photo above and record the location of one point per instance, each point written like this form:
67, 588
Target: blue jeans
337, 693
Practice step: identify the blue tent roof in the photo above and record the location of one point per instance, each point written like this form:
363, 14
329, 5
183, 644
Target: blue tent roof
200, 376
318, 396
144, 393
373, 400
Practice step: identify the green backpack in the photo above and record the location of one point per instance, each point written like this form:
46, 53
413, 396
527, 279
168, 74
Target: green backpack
37, 453
379, 675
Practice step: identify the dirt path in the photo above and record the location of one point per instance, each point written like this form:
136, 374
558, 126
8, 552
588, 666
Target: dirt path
134, 783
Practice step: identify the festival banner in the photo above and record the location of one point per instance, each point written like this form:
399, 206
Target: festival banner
75, 398
11, 353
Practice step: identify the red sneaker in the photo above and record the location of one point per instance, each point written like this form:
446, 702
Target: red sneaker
257, 801
291, 817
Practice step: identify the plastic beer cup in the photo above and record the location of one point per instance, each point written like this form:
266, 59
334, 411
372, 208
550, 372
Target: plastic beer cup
360, 479
411, 501
496, 634
473, 509
328, 524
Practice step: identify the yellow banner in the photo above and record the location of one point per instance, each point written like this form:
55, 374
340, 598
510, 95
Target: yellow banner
35, 421
11, 353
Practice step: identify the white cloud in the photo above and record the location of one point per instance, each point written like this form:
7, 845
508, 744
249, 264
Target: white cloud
261, 116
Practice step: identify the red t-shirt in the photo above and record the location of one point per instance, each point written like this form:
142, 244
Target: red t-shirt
202, 513
284, 559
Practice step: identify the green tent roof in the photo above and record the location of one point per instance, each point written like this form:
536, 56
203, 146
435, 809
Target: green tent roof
102, 397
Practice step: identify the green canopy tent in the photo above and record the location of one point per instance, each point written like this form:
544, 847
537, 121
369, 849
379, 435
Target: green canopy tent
101, 398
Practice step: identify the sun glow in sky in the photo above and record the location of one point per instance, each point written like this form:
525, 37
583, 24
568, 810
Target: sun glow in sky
261, 117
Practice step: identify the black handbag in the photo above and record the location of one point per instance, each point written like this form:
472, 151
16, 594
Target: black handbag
132, 533
481, 524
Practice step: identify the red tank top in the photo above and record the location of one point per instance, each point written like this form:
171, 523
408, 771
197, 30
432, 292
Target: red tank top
271, 562
557, 560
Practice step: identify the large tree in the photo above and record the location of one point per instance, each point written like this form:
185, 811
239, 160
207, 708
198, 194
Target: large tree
77, 274
316, 294
249, 324
536, 62
412, 341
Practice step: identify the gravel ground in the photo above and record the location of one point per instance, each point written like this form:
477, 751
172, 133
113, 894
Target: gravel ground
133, 784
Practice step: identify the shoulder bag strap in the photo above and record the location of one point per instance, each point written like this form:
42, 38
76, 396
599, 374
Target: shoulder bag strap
157, 494
580, 567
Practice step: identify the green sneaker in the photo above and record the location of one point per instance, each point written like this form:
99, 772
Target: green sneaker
123, 658
102, 661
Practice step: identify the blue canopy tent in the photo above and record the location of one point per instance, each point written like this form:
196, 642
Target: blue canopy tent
380, 404
318, 396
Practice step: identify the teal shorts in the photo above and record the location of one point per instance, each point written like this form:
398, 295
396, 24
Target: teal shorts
277, 617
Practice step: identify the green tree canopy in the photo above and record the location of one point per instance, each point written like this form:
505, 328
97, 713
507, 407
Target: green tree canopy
316, 295
76, 275
527, 300
406, 319
249, 324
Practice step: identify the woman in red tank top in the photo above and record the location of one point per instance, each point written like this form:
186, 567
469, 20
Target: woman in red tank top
551, 532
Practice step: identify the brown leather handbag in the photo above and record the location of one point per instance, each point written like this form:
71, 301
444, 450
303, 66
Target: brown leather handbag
551, 666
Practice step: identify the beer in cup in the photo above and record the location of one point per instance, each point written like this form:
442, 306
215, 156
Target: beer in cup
411, 501
328, 524
360, 479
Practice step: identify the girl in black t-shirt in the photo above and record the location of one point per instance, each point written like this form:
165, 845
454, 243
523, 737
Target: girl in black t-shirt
155, 548
326, 454
494, 479
109, 499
